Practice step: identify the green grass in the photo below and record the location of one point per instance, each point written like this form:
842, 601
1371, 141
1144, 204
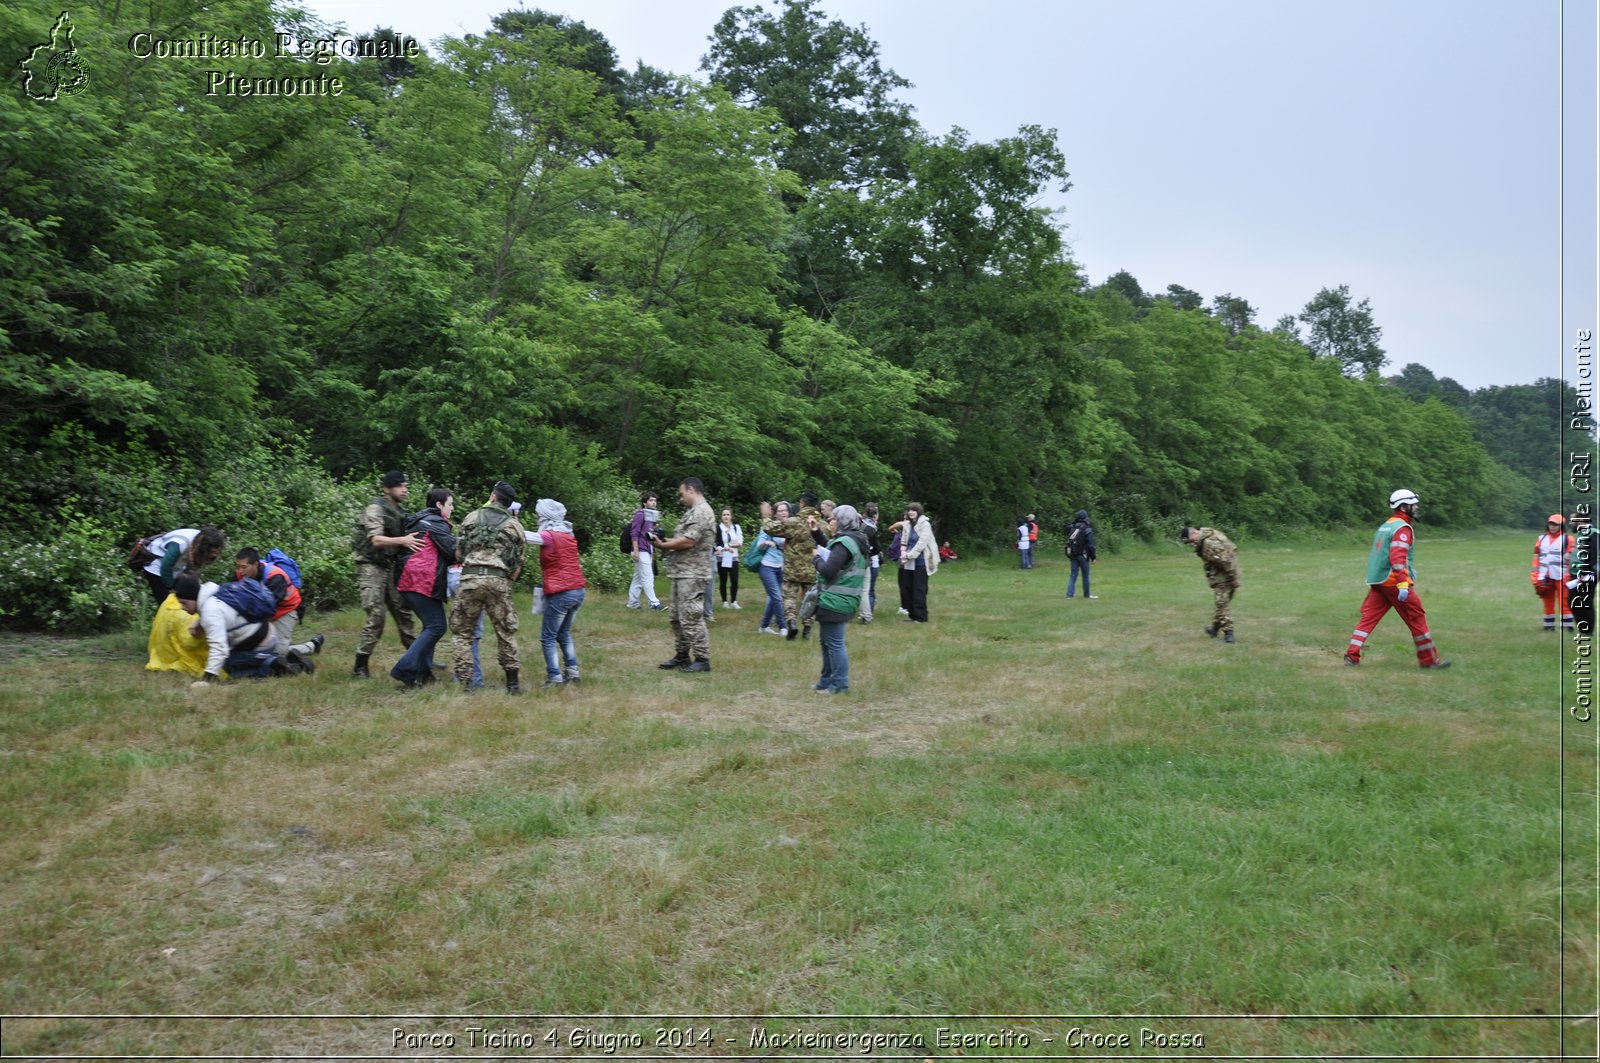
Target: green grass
1029, 807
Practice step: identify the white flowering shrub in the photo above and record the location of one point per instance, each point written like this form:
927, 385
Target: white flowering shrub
76, 581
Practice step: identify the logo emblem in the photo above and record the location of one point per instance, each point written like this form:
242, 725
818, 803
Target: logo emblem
54, 68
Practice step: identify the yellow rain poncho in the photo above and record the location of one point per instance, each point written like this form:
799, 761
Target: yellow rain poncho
172, 648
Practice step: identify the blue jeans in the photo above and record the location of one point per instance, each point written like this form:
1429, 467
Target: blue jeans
417, 663
835, 658
772, 580
1079, 564
1026, 554
556, 631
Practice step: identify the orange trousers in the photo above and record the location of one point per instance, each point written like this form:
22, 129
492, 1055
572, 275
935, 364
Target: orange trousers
1554, 594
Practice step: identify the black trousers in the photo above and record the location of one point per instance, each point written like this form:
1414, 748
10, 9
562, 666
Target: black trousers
914, 593
724, 575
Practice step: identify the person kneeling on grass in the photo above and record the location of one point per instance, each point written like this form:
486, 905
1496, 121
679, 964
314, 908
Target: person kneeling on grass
234, 642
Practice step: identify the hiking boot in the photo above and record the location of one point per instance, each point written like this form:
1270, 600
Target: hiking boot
697, 666
316, 643
512, 686
1438, 664
806, 633
360, 671
792, 634
676, 662
1227, 636
1351, 660
1211, 629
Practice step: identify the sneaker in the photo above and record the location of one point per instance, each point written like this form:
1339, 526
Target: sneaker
316, 643
1438, 664
572, 680
298, 660
633, 605
1092, 597
676, 662
548, 683
735, 605
657, 607
696, 666
1351, 660
903, 612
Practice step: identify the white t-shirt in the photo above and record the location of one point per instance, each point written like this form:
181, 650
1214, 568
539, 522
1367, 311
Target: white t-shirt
728, 556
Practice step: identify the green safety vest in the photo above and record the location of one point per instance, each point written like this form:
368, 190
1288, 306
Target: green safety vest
843, 595
1378, 567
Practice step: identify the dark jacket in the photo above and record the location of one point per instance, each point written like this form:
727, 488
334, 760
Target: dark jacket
431, 523
1086, 546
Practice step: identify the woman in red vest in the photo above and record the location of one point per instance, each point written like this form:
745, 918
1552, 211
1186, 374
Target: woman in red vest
563, 591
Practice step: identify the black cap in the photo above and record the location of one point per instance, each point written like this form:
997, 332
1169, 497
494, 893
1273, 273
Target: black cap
393, 479
506, 492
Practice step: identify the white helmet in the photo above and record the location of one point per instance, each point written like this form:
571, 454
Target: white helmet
1402, 497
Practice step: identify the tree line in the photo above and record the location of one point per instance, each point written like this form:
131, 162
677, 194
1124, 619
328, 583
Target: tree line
517, 259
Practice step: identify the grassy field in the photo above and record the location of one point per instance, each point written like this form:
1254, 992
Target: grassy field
1061, 815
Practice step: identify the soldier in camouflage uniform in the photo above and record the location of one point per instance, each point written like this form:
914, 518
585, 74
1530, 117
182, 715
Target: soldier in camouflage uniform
1221, 560
490, 549
379, 543
688, 562
800, 542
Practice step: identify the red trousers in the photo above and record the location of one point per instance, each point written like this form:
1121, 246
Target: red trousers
1378, 603
1555, 596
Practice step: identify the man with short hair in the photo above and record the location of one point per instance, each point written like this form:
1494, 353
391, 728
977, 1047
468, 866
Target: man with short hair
378, 542
1391, 581
490, 548
1221, 560
800, 541
247, 564
688, 564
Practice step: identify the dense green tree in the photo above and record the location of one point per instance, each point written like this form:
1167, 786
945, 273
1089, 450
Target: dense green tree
1345, 331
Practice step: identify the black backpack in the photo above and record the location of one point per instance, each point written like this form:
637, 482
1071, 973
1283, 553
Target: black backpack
625, 542
1076, 539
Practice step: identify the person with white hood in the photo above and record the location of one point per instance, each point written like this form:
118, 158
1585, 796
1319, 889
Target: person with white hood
564, 591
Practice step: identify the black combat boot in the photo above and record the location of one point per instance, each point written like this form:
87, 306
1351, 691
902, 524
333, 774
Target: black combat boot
361, 666
512, 686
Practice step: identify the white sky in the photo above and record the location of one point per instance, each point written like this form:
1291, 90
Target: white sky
1267, 148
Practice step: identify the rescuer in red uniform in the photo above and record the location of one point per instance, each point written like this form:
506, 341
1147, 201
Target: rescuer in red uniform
1390, 584
1550, 575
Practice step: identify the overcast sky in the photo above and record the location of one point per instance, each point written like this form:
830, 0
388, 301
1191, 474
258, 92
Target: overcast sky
1264, 148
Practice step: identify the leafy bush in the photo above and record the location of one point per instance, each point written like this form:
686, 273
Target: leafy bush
75, 581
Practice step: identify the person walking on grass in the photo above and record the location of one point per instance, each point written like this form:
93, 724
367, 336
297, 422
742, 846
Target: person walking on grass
841, 584
770, 570
425, 585
642, 532
564, 592
1391, 584
1081, 552
688, 564
491, 550
379, 544
1221, 561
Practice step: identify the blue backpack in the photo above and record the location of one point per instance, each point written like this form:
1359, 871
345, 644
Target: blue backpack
290, 566
250, 598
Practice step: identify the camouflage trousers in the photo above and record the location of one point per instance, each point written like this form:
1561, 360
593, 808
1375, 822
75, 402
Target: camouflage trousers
792, 593
480, 595
690, 639
378, 594
1222, 593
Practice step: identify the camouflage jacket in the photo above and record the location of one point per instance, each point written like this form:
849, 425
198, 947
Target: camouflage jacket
799, 546
381, 517
492, 538
1221, 557
699, 524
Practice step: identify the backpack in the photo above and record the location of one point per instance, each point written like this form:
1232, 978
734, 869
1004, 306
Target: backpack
249, 598
1076, 536
290, 566
141, 554
482, 532
752, 554
625, 541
